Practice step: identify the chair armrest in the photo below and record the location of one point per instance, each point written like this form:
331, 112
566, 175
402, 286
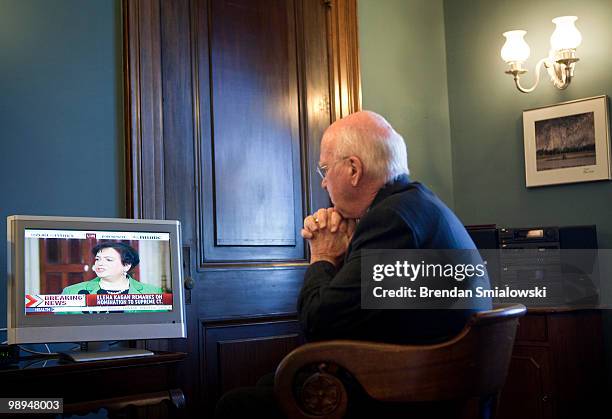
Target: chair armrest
474, 363
306, 384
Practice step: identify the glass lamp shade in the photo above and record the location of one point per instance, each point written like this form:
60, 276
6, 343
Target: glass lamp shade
515, 49
566, 35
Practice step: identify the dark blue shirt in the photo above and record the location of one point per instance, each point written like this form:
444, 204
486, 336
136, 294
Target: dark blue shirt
403, 215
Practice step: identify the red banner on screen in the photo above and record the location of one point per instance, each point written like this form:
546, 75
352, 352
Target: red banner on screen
96, 300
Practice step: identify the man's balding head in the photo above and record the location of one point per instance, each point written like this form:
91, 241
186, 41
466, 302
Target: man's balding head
361, 153
369, 136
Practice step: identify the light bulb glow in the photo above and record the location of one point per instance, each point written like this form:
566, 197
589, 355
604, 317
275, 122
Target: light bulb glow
566, 35
515, 49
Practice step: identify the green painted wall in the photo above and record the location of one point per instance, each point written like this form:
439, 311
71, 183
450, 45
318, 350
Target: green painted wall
486, 111
486, 115
61, 135
403, 70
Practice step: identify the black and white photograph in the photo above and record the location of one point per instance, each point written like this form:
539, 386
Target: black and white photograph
567, 143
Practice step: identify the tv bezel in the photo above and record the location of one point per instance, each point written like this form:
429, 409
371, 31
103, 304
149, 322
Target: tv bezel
24, 329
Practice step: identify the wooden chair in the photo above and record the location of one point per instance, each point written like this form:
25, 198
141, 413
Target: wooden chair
309, 381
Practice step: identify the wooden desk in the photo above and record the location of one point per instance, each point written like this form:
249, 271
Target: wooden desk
137, 387
557, 368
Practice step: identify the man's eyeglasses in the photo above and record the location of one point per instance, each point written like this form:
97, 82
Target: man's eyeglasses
322, 170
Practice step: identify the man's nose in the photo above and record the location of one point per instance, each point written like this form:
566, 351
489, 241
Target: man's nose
324, 183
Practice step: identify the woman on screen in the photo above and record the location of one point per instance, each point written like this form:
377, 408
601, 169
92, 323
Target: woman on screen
113, 263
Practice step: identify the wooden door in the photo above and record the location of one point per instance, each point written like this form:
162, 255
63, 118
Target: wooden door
226, 103
64, 262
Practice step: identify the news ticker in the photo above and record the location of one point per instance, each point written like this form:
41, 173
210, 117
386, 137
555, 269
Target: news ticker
28, 405
97, 235
60, 303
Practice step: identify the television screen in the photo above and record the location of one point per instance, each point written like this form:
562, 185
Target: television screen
78, 279
88, 271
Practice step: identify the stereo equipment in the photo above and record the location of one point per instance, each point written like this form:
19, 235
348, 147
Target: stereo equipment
535, 256
569, 237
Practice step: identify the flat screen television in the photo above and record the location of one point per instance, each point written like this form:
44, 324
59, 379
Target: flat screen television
73, 279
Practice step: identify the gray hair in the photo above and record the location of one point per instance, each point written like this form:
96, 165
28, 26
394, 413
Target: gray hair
382, 150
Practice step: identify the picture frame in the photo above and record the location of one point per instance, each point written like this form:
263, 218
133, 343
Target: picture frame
567, 142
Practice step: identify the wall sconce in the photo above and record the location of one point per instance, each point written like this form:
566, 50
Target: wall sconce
561, 59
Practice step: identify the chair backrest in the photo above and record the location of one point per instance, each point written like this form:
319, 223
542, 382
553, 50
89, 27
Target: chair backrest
473, 363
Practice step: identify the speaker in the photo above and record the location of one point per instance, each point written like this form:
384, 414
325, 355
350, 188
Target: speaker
484, 236
578, 237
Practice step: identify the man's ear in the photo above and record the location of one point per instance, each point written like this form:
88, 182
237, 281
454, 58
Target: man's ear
356, 170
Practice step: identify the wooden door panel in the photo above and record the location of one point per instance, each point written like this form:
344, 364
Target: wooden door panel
244, 361
145, 196
251, 195
64, 262
251, 291
318, 103
578, 357
178, 146
529, 380
258, 160
238, 354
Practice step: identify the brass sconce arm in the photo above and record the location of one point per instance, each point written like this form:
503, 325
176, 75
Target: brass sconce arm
560, 70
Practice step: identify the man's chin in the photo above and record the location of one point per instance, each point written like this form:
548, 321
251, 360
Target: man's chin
348, 214
342, 212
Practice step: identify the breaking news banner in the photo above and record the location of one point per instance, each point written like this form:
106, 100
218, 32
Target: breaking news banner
468, 279
92, 303
13, 406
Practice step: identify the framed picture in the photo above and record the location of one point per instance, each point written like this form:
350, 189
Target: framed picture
567, 143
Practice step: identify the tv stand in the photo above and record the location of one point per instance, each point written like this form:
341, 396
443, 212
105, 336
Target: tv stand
100, 351
84, 356
137, 387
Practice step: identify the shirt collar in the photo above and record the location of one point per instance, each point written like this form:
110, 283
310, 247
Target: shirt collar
399, 184
94, 285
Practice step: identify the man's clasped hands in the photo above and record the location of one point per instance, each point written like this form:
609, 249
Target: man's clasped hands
328, 235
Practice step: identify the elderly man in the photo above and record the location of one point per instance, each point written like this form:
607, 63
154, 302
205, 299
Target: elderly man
363, 164
364, 167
